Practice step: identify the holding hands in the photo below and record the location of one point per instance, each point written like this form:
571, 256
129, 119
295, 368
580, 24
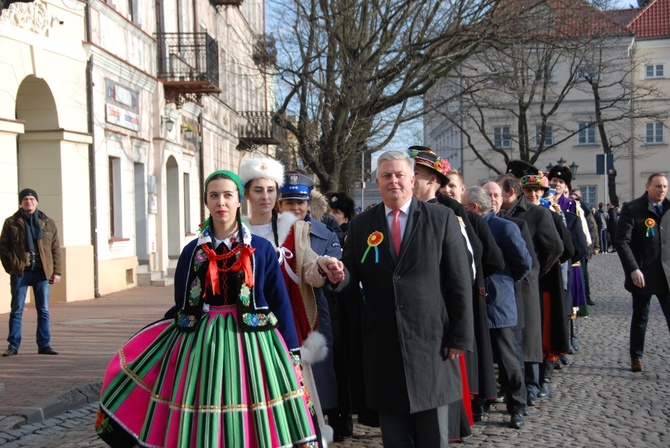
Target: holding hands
332, 268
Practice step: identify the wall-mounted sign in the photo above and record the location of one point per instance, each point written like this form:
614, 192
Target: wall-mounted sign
122, 117
153, 204
122, 106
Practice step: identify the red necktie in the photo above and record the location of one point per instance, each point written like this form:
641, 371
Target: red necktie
395, 231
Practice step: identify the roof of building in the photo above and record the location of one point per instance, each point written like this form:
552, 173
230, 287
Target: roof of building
652, 21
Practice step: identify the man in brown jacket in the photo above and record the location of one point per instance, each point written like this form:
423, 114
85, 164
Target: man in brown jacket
30, 254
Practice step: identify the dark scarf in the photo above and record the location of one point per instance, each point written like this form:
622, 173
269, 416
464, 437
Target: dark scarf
33, 229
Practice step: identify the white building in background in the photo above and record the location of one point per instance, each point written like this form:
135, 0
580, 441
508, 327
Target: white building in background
644, 44
120, 111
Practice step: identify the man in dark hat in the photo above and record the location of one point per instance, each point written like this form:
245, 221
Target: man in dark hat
562, 177
30, 253
342, 208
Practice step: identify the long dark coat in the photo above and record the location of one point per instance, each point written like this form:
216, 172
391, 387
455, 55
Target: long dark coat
416, 304
488, 260
548, 248
647, 251
528, 302
552, 284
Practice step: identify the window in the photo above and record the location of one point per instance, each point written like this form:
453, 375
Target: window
587, 72
654, 71
587, 134
115, 206
589, 194
187, 203
654, 133
548, 135
501, 137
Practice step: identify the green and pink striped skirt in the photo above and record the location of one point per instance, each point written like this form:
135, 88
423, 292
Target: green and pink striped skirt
214, 387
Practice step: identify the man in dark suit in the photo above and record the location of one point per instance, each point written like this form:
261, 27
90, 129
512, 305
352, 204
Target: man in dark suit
642, 235
501, 308
411, 260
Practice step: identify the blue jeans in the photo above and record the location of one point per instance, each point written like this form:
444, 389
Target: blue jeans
638, 324
603, 241
19, 287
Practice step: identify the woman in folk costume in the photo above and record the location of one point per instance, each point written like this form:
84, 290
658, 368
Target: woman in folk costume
220, 372
263, 177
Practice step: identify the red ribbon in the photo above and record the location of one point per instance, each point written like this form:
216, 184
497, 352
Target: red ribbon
243, 263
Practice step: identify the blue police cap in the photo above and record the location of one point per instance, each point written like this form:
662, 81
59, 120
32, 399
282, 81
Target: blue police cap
296, 186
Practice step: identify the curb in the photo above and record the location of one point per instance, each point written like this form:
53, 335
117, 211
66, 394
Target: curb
73, 399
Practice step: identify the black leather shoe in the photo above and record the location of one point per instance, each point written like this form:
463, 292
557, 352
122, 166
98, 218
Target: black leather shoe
47, 351
11, 351
517, 421
545, 391
532, 400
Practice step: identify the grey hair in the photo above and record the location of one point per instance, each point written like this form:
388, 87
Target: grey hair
395, 155
479, 196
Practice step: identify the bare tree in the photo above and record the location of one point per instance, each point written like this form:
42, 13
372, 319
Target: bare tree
352, 73
618, 101
515, 94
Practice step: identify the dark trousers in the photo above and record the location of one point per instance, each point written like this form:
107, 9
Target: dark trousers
505, 353
427, 429
603, 241
638, 324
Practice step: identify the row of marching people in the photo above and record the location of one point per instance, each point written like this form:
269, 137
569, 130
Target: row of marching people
529, 287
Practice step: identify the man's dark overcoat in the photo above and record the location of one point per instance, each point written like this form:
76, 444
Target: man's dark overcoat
415, 305
638, 248
528, 302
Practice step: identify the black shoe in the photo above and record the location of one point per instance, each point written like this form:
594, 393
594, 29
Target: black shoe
590, 302
545, 391
11, 351
517, 421
532, 400
46, 351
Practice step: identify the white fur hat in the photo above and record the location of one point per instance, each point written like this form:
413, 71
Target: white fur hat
262, 168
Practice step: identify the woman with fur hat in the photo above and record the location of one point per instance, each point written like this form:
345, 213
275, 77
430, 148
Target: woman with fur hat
302, 268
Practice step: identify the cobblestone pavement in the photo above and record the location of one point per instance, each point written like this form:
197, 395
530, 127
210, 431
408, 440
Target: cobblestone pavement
596, 401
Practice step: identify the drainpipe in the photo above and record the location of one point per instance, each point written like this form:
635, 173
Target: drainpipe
91, 154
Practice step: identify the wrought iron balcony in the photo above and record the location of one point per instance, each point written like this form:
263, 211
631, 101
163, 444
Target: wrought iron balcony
226, 2
188, 65
257, 128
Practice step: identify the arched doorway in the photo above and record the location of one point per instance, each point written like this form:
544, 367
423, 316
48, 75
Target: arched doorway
39, 163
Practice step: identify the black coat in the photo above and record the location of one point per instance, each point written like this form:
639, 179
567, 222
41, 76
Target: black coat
546, 241
488, 260
528, 302
415, 305
641, 248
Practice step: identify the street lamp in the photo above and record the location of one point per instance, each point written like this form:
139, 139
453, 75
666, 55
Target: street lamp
561, 161
169, 123
573, 168
549, 167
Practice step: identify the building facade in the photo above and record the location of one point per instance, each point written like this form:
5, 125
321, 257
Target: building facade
115, 112
478, 132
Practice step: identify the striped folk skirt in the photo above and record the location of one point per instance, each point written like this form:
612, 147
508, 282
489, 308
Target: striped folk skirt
214, 387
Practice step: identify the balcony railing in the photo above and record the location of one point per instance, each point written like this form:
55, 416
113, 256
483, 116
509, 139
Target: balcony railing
257, 128
188, 65
226, 2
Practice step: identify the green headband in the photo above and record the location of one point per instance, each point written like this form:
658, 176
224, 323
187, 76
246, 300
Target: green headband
230, 175
227, 174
